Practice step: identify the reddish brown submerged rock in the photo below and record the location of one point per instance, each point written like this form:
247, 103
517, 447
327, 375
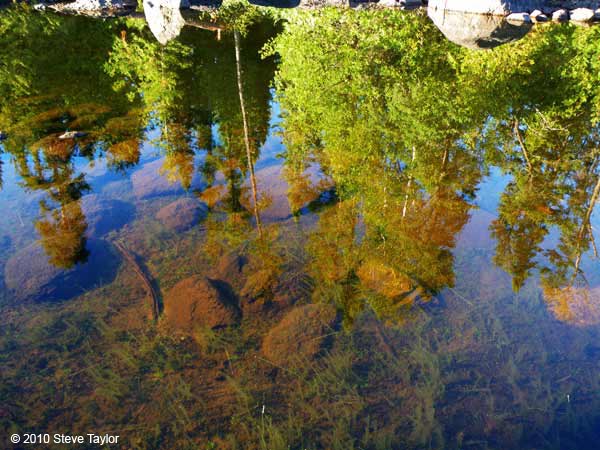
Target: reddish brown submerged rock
182, 214
229, 269
198, 301
300, 335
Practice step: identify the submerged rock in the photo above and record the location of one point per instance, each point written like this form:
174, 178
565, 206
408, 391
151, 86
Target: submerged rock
576, 305
229, 269
30, 275
278, 196
198, 301
105, 215
272, 186
477, 31
150, 181
182, 214
379, 277
300, 335
582, 15
117, 189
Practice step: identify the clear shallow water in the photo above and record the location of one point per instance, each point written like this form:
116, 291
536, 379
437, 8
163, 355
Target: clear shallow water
412, 267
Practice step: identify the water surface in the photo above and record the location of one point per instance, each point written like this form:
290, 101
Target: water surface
311, 229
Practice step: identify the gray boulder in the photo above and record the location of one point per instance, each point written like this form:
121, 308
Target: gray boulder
164, 18
560, 16
582, 15
477, 31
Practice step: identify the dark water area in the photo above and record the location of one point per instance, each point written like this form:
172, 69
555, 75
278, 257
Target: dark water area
327, 229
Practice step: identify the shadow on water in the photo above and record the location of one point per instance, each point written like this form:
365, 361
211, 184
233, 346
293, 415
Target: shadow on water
30, 275
276, 3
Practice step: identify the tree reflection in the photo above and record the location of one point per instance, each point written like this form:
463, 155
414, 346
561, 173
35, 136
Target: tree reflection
408, 139
62, 235
404, 126
50, 90
405, 182
62, 225
181, 90
191, 84
556, 187
243, 129
393, 248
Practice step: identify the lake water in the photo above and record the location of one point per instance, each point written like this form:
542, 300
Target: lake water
326, 229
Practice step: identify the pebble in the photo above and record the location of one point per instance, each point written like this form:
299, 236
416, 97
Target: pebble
72, 135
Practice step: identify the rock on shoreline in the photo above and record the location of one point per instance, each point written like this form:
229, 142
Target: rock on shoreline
581, 9
582, 15
90, 7
477, 31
